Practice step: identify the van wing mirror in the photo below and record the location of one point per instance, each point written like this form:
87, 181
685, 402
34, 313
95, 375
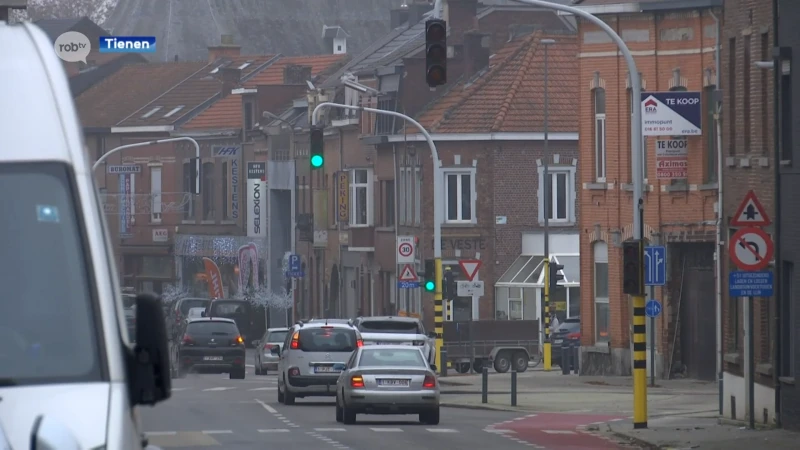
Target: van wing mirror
432, 334
275, 350
202, 313
50, 434
149, 366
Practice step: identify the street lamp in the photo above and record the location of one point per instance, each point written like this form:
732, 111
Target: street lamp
547, 197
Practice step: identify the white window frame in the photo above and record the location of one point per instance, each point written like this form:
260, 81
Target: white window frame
570, 172
600, 148
408, 194
460, 171
354, 188
600, 256
417, 197
400, 193
155, 192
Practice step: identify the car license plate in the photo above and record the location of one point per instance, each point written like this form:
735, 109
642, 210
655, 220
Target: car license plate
558, 341
394, 383
326, 369
212, 358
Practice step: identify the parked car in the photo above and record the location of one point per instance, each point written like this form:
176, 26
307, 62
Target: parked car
210, 344
265, 360
391, 379
389, 330
569, 329
179, 312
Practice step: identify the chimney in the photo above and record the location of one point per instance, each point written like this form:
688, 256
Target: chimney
476, 52
295, 74
226, 49
461, 16
231, 76
416, 12
398, 17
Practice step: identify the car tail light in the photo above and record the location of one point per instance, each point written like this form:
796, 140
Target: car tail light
295, 340
359, 343
419, 343
357, 381
430, 382
294, 371
187, 340
327, 327
574, 335
238, 340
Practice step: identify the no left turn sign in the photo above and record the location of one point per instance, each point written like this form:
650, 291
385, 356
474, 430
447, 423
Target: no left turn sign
751, 249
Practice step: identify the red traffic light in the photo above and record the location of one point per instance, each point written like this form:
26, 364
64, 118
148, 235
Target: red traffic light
435, 32
436, 76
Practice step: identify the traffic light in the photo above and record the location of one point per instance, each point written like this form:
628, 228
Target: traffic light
436, 52
632, 267
317, 154
555, 277
450, 291
429, 275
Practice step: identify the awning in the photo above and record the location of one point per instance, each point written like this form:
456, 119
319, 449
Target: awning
527, 271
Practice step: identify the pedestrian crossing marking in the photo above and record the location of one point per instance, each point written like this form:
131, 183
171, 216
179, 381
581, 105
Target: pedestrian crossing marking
442, 430
387, 430
221, 388
264, 389
323, 430
275, 430
559, 432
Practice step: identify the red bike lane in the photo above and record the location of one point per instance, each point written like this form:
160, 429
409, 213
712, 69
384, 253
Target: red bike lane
558, 431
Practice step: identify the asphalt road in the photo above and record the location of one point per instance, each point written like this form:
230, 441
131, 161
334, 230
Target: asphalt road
214, 411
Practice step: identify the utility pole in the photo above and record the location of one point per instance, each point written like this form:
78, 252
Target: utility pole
547, 200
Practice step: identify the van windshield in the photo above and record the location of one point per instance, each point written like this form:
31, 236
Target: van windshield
48, 331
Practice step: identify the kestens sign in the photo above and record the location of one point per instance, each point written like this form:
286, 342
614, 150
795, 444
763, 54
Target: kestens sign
671, 114
256, 204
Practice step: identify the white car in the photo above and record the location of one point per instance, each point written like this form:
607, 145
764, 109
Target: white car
390, 330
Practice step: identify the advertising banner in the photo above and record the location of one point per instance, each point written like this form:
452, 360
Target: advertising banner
248, 265
256, 199
672, 159
674, 113
214, 278
233, 201
343, 197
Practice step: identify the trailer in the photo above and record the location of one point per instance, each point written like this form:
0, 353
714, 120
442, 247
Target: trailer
502, 344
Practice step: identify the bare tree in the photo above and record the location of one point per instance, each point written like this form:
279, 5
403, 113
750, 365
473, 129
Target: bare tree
97, 10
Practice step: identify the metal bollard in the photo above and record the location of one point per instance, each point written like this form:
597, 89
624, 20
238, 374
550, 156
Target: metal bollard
565, 363
485, 385
443, 361
576, 356
513, 387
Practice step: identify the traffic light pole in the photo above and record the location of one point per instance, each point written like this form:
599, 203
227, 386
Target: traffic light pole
637, 171
438, 182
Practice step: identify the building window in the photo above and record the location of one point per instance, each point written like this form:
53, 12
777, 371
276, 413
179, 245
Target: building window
188, 207
679, 88
600, 133
225, 193
731, 119
208, 191
559, 203
710, 130
403, 197
601, 313
785, 99
155, 194
388, 202
248, 116
746, 120
408, 195
459, 188
417, 196
361, 197
765, 93
384, 123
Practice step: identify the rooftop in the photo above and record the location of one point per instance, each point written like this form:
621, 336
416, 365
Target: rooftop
508, 95
320, 64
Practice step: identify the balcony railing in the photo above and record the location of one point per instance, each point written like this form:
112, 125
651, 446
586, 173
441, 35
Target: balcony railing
170, 203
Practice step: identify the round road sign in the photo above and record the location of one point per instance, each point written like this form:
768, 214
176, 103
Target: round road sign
751, 249
405, 249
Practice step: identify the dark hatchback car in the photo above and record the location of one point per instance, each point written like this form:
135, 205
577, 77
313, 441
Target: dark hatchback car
210, 344
239, 310
569, 329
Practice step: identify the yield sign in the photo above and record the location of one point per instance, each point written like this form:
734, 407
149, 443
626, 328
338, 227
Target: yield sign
750, 213
470, 267
407, 274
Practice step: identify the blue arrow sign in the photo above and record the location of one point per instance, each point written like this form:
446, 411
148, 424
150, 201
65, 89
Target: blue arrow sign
652, 308
655, 265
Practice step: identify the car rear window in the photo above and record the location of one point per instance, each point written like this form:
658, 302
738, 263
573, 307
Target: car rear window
327, 340
388, 326
186, 305
211, 328
391, 358
276, 336
228, 308
570, 327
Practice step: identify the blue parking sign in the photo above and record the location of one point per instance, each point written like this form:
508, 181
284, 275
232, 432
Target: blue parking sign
295, 267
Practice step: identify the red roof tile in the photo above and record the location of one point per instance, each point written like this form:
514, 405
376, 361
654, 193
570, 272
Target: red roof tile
129, 89
274, 73
509, 96
224, 114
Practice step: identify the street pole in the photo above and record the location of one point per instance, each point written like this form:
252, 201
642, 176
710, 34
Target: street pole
158, 141
548, 348
438, 186
639, 324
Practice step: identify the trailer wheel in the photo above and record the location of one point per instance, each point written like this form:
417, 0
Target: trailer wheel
502, 363
520, 361
477, 365
462, 367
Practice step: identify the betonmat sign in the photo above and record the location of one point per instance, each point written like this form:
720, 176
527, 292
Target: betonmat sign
256, 199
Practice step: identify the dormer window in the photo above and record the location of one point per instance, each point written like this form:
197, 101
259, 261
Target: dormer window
216, 69
151, 112
174, 110
243, 66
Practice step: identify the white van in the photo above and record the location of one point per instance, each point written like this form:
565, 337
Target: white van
69, 375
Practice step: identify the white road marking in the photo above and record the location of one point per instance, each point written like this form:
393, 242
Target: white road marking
442, 430
250, 365
323, 430
263, 389
496, 431
559, 432
269, 409
178, 389
221, 388
161, 433
275, 430
387, 430
217, 431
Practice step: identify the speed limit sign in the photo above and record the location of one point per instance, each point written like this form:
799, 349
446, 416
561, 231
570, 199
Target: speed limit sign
405, 249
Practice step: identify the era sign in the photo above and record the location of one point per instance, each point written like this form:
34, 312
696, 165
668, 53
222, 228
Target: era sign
674, 113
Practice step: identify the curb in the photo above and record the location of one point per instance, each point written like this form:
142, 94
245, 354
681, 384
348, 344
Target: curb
482, 407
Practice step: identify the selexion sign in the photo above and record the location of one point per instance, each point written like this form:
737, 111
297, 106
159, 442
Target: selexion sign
256, 205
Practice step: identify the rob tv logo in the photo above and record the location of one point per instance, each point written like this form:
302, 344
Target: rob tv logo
127, 44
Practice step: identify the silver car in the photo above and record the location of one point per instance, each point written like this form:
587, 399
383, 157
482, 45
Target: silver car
388, 379
312, 357
265, 359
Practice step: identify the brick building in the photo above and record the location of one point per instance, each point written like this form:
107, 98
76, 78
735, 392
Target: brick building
673, 43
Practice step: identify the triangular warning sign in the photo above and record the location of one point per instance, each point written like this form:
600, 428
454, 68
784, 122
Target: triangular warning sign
407, 274
470, 267
750, 213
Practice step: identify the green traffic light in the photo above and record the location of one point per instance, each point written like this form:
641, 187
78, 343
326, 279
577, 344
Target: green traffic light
317, 160
430, 285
